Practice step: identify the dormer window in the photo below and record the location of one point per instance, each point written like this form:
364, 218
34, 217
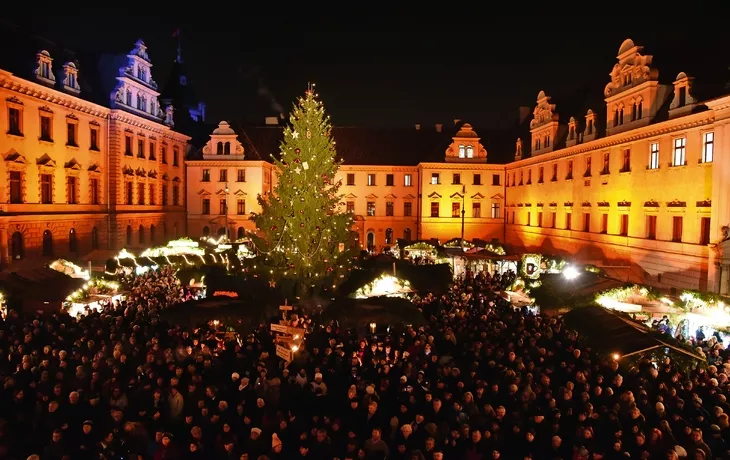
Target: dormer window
469, 151
462, 151
129, 98
547, 141
219, 148
590, 127
682, 96
70, 80
537, 144
143, 105
142, 73
44, 69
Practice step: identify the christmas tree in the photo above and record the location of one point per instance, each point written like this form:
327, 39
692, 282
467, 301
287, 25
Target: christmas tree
302, 235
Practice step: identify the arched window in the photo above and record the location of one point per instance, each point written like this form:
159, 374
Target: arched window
47, 243
94, 238
141, 234
219, 148
17, 246
206, 231
407, 234
469, 151
462, 151
129, 235
639, 109
241, 233
152, 234
73, 244
371, 241
227, 148
221, 231
388, 236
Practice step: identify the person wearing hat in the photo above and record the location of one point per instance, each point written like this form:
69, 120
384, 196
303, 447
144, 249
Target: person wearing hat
277, 447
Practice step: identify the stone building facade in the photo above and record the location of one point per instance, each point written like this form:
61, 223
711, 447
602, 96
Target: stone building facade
651, 191
81, 175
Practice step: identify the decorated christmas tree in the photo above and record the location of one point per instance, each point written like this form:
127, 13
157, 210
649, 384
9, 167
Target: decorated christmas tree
301, 234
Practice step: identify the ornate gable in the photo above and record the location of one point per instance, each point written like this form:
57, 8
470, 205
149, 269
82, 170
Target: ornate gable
632, 69
409, 197
390, 196
136, 91
223, 144
73, 164
434, 195
456, 195
371, 197
544, 125
203, 192
466, 147
350, 196
240, 193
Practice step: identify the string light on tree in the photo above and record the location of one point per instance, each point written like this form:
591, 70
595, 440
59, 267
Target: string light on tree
299, 229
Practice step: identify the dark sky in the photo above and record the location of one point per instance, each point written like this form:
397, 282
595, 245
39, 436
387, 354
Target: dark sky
399, 70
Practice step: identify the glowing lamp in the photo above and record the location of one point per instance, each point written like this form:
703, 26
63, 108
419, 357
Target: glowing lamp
294, 348
570, 273
372, 328
616, 356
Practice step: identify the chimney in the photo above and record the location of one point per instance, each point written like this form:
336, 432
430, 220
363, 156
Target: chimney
439, 127
418, 126
524, 113
272, 120
457, 121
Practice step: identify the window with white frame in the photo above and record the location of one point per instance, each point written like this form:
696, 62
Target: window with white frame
654, 155
708, 147
407, 180
680, 147
469, 151
462, 151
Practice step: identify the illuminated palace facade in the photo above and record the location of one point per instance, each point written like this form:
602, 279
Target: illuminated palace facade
84, 173
647, 186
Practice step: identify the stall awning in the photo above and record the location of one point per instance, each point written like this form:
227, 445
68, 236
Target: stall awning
42, 284
609, 332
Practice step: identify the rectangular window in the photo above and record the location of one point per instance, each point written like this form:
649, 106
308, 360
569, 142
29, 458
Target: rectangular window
569, 176
456, 179
206, 175
679, 158
175, 157
624, 225
651, 227
604, 223
241, 207
351, 207
71, 134
16, 187
626, 166
130, 193
140, 194
654, 155
704, 230
589, 168
555, 173
478, 179
223, 206
164, 195
407, 180
407, 209
434, 209
539, 218
586, 222
94, 139
46, 188
152, 151
389, 180
477, 209
71, 184
46, 132
708, 147
529, 177
140, 148
435, 178
153, 195
206, 206
496, 179
553, 219
568, 218
371, 208
14, 125
677, 222
175, 195
540, 175
241, 175
371, 179
529, 218
389, 208
350, 179
94, 189
163, 153
456, 209
223, 175
606, 163
128, 145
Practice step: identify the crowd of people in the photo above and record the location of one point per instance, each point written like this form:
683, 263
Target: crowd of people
479, 380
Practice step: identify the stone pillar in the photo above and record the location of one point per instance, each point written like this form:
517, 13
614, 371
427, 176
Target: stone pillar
4, 247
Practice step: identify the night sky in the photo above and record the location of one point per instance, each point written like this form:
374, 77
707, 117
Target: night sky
393, 71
